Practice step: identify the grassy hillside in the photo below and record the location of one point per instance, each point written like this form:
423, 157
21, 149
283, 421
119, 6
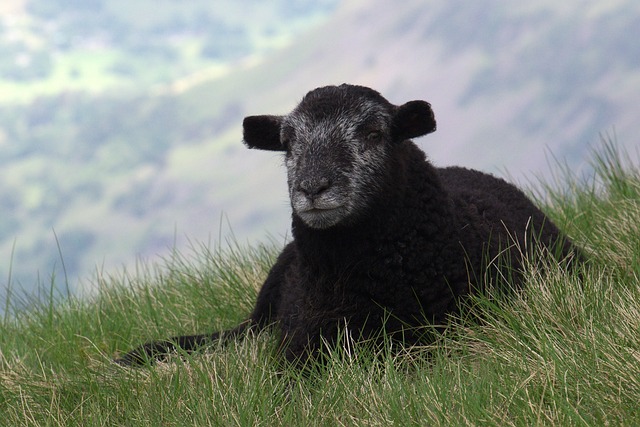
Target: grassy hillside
564, 352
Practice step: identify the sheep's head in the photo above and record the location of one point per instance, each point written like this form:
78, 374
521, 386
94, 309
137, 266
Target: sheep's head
337, 143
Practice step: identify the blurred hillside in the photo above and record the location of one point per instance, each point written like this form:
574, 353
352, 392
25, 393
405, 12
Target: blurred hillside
120, 121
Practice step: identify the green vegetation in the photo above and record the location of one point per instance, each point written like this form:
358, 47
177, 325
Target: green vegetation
563, 352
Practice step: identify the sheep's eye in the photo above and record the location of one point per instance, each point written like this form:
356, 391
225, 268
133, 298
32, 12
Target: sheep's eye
374, 135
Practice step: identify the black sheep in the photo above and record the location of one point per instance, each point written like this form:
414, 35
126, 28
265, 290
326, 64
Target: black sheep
382, 240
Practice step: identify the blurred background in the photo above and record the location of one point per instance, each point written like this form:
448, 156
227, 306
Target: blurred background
120, 120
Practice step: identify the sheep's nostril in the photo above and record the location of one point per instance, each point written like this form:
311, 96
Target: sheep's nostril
314, 187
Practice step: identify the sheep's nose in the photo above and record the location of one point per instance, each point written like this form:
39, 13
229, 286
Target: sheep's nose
314, 187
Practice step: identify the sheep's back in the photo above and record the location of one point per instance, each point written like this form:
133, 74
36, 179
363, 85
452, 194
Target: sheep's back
498, 202
498, 214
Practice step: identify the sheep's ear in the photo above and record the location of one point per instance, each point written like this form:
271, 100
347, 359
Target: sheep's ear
262, 132
413, 119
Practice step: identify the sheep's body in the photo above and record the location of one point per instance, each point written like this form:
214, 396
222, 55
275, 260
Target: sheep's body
382, 240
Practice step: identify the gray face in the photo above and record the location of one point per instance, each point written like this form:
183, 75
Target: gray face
338, 143
336, 151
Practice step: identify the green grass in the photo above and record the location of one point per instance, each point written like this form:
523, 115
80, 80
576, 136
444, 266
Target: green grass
563, 352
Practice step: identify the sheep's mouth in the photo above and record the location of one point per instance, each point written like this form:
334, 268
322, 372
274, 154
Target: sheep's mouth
319, 206
321, 217
321, 209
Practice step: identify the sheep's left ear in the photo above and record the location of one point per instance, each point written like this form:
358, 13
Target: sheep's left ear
262, 132
413, 119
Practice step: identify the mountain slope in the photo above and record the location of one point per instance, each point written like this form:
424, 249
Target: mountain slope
120, 175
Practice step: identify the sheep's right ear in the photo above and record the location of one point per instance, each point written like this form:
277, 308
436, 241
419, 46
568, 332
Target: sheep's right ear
262, 132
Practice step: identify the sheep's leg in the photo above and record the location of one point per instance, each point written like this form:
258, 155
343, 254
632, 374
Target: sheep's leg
266, 310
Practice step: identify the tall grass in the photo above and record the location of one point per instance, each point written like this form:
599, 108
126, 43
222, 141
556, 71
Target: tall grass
565, 351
